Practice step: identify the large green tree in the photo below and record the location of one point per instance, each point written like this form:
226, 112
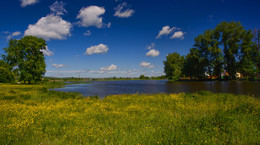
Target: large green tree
227, 47
210, 53
231, 39
173, 66
25, 56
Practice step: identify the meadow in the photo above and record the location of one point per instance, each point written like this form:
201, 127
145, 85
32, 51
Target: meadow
33, 114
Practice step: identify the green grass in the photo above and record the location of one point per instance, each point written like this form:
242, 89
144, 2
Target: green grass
30, 114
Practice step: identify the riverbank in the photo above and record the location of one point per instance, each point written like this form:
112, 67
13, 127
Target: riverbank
30, 114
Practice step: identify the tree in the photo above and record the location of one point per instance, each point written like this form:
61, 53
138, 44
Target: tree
257, 41
25, 55
210, 53
6, 75
143, 77
216, 54
192, 64
205, 46
231, 39
248, 56
228, 47
173, 66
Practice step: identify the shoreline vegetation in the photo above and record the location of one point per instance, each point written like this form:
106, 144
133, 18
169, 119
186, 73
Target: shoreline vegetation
73, 79
33, 114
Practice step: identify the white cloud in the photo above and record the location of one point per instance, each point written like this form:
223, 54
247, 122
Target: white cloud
109, 68
101, 48
91, 16
25, 3
88, 33
151, 46
58, 65
153, 53
57, 8
120, 12
178, 34
166, 30
50, 27
17, 33
146, 65
47, 52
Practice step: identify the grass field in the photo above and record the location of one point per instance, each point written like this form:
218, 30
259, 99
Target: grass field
30, 114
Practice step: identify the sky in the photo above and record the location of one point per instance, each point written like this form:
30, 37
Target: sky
121, 38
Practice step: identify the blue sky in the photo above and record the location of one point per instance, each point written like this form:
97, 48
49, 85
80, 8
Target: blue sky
122, 38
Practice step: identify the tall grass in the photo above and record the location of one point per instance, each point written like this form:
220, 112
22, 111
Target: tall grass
30, 114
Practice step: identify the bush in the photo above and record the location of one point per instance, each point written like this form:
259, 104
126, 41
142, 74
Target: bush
6, 76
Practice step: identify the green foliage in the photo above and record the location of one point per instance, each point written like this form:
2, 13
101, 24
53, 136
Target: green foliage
142, 77
30, 114
249, 56
227, 47
14, 53
231, 39
173, 66
210, 55
6, 75
192, 65
25, 55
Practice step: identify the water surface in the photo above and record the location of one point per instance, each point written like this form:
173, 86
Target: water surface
105, 88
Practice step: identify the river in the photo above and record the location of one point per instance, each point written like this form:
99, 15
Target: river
105, 88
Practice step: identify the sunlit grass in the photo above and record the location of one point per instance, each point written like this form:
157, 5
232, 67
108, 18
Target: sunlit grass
30, 114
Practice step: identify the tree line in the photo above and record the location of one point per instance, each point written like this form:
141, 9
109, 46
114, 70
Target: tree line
23, 60
227, 48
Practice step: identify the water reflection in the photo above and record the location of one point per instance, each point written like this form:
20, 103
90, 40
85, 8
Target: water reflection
104, 88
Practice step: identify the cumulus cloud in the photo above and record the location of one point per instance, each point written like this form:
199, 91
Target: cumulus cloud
109, 68
25, 3
57, 8
178, 34
122, 11
101, 48
146, 64
47, 52
50, 27
17, 33
91, 16
88, 33
166, 30
153, 53
58, 65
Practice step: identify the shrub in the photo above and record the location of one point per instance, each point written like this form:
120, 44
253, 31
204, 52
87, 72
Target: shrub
6, 76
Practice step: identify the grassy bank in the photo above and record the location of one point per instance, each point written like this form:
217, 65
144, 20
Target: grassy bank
30, 114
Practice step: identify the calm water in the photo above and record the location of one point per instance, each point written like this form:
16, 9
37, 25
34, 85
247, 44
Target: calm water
104, 88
